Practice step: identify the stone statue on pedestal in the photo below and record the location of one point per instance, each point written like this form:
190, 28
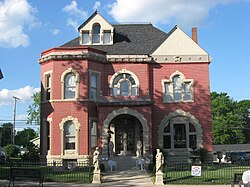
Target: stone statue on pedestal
138, 148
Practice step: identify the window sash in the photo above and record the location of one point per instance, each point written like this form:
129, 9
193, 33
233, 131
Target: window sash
47, 87
85, 38
69, 86
106, 37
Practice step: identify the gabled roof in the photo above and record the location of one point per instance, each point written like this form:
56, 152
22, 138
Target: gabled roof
129, 39
178, 42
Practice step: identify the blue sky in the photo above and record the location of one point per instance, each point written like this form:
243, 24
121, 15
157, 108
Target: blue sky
29, 27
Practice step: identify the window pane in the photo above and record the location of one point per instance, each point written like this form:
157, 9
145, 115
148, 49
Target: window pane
115, 90
69, 86
96, 38
47, 87
192, 141
106, 37
187, 90
191, 128
177, 95
166, 142
69, 128
93, 80
177, 88
167, 87
167, 129
134, 91
96, 34
85, 38
124, 88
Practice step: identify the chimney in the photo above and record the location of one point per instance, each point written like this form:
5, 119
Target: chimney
194, 34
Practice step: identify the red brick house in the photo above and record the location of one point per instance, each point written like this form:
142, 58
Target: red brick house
124, 83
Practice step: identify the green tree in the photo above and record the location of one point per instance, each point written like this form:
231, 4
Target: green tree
228, 121
244, 109
23, 137
11, 150
34, 110
6, 134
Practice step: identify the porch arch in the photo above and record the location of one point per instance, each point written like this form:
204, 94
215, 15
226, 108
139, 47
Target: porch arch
127, 111
178, 113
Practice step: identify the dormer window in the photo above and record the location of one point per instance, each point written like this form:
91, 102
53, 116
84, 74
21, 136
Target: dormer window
106, 37
85, 37
96, 36
96, 31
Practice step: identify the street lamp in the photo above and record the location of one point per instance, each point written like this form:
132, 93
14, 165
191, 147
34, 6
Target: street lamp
14, 120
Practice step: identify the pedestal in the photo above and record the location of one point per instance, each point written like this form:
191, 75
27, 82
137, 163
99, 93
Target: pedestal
97, 177
159, 178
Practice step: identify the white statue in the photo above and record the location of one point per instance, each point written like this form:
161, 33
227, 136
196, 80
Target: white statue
138, 148
159, 161
111, 147
96, 159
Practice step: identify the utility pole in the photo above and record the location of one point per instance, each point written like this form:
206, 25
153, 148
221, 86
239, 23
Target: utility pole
14, 121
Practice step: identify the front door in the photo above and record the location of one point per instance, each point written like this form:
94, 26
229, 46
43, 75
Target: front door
125, 139
180, 136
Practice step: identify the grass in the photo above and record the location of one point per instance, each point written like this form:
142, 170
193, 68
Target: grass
210, 174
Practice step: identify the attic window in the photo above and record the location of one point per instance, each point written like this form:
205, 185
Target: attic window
107, 37
96, 34
85, 37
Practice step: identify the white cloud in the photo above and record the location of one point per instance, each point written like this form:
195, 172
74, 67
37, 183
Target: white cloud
24, 94
55, 31
77, 14
178, 12
97, 5
15, 15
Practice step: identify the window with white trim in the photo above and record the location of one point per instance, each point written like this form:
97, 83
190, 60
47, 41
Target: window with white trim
96, 34
47, 87
177, 89
107, 37
69, 86
85, 37
69, 135
124, 84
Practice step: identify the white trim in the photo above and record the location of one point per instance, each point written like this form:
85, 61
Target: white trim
70, 70
77, 129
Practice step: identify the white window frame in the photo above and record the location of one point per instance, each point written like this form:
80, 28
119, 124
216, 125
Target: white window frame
117, 86
168, 97
77, 130
47, 86
70, 70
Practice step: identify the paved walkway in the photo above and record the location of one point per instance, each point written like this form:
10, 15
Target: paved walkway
129, 178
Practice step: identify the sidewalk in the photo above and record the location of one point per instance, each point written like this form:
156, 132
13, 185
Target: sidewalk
129, 178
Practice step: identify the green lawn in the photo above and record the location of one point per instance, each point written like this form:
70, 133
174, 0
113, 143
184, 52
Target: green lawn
212, 174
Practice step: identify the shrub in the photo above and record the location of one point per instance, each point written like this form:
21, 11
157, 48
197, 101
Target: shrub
203, 153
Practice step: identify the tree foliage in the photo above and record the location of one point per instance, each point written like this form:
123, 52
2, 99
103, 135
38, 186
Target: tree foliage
34, 109
229, 119
11, 150
23, 137
6, 134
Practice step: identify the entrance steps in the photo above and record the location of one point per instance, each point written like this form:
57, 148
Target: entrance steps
179, 156
124, 163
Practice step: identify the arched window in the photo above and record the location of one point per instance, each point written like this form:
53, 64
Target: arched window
69, 86
96, 34
177, 88
179, 133
69, 135
124, 84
